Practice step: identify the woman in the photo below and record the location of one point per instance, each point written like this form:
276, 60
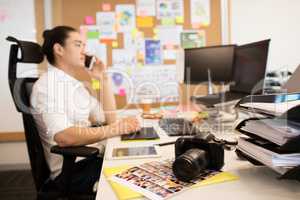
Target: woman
66, 107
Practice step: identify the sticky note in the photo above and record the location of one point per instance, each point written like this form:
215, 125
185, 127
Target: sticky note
144, 22
155, 31
179, 20
128, 71
169, 46
205, 24
106, 7
168, 21
92, 34
122, 92
140, 65
134, 32
155, 37
196, 25
89, 20
95, 84
115, 44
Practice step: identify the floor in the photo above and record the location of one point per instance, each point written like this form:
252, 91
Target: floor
17, 185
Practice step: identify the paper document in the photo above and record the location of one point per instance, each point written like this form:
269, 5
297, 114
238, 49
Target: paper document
275, 109
278, 131
263, 153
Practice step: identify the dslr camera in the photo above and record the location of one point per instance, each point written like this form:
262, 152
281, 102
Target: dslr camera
193, 154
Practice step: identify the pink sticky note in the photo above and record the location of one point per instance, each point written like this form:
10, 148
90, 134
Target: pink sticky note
122, 92
196, 25
89, 20
106, 7
169, 46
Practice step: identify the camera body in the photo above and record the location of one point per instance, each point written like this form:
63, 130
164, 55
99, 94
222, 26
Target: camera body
193, 154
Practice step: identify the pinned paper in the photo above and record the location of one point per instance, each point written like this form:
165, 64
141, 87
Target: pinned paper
125, 17
115, 44
179, 20
117, 78
95, 84
122, 92
200, 12
89, 20
92, 34
106, 7
145, 7
168, 21
144, 22
106, 23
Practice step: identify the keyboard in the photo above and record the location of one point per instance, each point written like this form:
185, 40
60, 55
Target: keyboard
177, 127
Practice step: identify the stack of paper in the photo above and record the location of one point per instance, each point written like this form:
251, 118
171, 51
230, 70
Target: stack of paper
277, 130
262, 152
275, 109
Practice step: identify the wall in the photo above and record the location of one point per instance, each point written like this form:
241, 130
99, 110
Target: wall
18, 19
276, 19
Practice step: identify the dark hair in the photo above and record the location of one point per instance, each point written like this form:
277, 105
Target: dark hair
56, 35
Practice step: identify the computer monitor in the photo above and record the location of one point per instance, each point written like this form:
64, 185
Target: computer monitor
250, 63
217, 59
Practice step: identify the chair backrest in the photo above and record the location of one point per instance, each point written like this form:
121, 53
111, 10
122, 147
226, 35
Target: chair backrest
20, 89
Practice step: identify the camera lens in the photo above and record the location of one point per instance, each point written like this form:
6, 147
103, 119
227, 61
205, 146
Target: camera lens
190, 164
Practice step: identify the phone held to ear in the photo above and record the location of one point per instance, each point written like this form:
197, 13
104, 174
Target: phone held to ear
89, 61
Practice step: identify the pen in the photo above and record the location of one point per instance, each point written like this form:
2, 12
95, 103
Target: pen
166, 143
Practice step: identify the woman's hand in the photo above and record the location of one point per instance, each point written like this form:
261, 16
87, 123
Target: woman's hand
98, 69
125, 126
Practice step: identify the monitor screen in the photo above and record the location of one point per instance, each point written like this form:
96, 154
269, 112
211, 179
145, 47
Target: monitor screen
250, 66
217, 59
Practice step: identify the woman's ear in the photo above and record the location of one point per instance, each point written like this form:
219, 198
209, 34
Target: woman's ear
58, 49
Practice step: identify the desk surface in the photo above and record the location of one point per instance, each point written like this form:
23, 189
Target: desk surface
256, 182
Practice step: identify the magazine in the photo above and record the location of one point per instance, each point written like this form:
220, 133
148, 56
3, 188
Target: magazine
156, 180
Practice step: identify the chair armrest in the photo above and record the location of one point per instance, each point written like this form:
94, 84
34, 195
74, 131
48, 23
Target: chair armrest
80, 151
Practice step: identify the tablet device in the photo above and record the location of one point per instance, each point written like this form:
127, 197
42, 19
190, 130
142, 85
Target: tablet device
146, 133
134, 152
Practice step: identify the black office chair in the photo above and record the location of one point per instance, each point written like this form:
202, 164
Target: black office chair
20, 89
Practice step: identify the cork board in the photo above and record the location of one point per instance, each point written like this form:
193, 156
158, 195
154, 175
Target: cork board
73, 12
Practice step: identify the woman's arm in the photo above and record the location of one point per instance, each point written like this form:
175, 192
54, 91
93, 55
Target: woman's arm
77, 136
107, 99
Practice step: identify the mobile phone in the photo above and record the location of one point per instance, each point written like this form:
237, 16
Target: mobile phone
89, 61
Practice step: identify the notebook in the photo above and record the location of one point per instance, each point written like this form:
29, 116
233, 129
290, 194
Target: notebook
146, 133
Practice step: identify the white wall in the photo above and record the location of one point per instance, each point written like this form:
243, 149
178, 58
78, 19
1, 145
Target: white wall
253, 20
18, 19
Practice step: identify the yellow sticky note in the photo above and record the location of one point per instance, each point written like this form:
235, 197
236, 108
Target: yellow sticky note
196, 26
134, 32
179, 20
95, 84
168, 21
155, 31
140, 65
144, 22
114, 44
128, 71
155, 37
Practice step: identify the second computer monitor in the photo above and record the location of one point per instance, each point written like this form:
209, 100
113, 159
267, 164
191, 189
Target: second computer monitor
217, 59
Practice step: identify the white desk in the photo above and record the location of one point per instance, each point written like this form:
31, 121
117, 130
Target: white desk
259, 183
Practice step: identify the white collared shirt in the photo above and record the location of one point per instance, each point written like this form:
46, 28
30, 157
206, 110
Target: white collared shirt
60, 102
